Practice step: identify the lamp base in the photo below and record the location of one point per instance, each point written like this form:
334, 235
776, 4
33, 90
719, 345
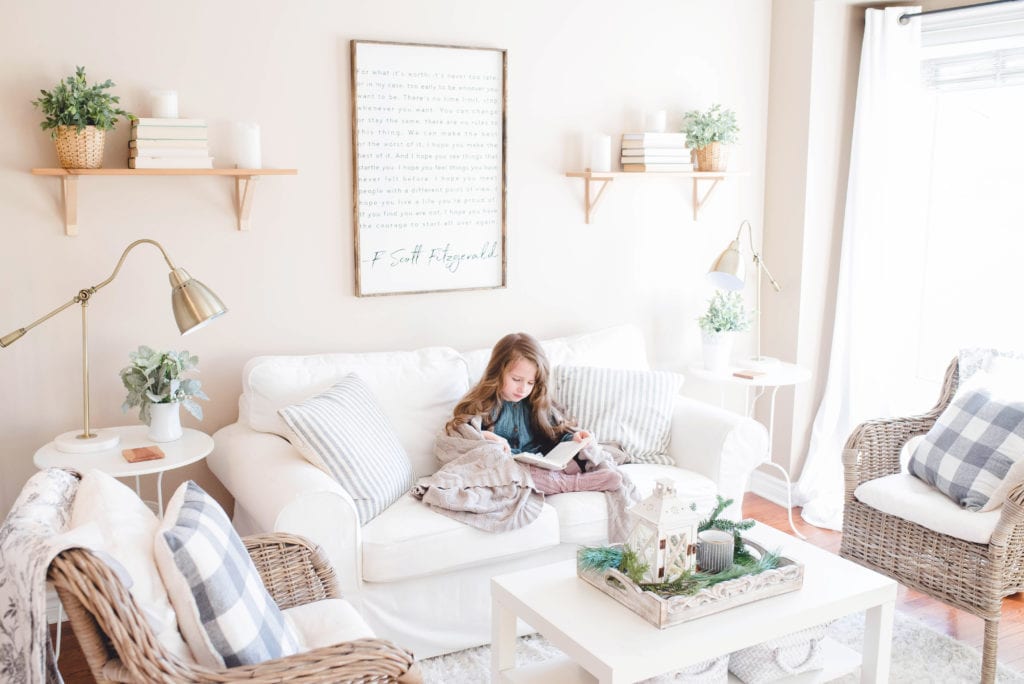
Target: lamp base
759, 363
71, 443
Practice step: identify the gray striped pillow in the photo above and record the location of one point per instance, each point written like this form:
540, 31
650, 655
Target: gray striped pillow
343, 432
630, 408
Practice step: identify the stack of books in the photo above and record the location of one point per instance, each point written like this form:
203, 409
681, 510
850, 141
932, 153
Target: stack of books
169, 144
652, 152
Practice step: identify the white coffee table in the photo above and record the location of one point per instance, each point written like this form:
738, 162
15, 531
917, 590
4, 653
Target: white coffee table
605, 641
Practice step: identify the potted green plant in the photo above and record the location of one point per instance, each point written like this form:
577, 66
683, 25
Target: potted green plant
725, 315
78, 115
155, 384
707, 133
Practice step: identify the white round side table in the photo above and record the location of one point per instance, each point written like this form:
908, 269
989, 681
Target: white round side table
192, 446
769, 380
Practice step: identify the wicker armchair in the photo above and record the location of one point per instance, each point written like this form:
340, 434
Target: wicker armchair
973, 577
120, 646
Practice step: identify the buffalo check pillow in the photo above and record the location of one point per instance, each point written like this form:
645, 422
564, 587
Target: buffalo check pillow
224, 612
629, 408
974, 454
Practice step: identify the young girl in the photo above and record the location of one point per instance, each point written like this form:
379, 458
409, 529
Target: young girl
517, 412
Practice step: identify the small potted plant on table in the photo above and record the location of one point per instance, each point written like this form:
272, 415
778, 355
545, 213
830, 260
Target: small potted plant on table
78, 115
707, 133
154, 383
725, 315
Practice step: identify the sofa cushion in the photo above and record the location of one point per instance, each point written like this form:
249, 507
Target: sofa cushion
619, 347
410, 540
629, 408
583, 516
343, 432
907, 497
224, 611
125, 529
416, 390
974, 453
326, 622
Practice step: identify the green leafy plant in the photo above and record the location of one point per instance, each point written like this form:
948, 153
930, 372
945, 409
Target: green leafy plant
73, 102
154, 377
725, 313
714, 125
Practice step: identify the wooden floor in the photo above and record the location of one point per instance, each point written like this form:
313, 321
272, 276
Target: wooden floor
938, 616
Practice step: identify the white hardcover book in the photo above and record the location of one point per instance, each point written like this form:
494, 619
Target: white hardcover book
169, 132
646, 159
655, 152
170, 163
153, 152
661, 139
155, 121
654, 168
557, 458
158, 144
678, 146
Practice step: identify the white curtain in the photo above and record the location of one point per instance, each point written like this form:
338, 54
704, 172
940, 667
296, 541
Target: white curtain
878, 293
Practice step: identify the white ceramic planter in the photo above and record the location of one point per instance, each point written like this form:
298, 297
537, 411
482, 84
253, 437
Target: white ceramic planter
717, 348
164, 422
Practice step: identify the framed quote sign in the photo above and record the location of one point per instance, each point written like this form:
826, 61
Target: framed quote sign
428, 157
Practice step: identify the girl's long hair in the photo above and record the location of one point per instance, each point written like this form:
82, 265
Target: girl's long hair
484, 399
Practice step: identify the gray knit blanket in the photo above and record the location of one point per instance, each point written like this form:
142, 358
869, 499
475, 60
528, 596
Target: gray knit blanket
481, 485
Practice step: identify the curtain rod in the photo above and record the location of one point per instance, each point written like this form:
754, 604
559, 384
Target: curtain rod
905, 18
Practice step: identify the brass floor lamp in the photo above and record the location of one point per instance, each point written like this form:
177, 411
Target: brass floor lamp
728, 272
194, 306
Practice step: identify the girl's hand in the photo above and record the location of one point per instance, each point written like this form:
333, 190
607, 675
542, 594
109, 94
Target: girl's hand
488, 435
580, 436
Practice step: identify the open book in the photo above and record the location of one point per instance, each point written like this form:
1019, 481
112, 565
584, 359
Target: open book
557, 458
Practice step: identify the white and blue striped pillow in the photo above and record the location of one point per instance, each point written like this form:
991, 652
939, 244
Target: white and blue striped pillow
626, 407
343, 432
224, 611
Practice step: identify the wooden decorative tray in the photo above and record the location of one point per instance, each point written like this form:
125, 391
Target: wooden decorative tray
665, 612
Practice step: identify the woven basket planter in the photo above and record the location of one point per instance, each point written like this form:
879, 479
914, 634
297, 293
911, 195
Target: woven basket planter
712, 157
80, 149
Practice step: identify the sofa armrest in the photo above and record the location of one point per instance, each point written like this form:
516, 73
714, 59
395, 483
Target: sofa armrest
721, 445
280, 491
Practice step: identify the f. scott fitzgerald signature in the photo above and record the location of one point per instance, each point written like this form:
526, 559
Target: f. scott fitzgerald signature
444, 257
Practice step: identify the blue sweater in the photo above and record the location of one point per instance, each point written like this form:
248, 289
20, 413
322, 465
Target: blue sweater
513, 423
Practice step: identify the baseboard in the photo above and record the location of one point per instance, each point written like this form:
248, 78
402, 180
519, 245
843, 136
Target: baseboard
771, 488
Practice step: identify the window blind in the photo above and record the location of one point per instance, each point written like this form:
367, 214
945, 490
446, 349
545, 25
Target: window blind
981, 47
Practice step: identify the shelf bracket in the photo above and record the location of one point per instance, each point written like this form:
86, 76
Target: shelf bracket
69, 189
698, 201
245, 188
590, 200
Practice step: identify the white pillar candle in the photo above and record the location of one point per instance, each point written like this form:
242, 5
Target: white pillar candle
656, 121
164, 104
601, 153
247, 145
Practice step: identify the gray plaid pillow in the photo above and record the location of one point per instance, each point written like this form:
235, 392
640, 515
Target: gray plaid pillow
224, 612
974, 453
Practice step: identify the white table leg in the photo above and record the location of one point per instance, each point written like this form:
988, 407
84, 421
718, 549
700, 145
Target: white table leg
503, 640
878, 623
160, 493
785, 475
60, 624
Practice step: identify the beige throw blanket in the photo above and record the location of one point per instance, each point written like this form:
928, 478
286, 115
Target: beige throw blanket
481, 485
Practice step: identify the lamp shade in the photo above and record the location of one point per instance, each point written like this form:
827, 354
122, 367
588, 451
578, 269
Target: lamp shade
194, 304
728, 271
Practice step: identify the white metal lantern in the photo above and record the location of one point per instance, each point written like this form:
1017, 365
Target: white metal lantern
664, 533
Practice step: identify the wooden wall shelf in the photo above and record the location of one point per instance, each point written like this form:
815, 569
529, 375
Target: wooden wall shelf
590, 199
245, 182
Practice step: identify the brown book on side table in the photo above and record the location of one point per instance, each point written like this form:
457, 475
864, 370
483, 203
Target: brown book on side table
146, 453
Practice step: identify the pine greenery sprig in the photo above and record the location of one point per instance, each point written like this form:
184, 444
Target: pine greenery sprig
713, 522
600, 558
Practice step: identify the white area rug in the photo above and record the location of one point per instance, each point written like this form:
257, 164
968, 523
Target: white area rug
919, 655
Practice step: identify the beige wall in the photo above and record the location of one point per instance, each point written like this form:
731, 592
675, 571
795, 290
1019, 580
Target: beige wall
574, 66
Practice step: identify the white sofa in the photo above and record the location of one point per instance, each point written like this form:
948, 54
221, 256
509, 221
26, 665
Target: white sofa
420, 578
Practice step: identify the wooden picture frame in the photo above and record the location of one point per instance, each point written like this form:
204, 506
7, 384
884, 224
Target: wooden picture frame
428, 167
